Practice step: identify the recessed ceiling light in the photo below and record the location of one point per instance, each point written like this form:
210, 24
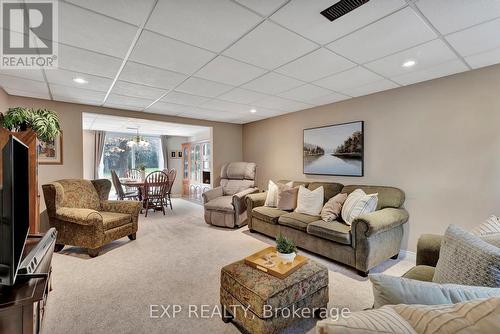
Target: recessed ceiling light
253, 111
80, 80
409, 63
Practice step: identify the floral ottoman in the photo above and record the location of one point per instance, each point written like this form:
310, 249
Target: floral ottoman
261, 303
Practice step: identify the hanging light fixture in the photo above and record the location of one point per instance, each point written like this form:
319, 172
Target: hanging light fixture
137, 140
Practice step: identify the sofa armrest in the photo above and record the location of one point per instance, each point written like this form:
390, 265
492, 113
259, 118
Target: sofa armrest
428, 247
128, 207
379, 221
78, 216
212, 194
239, 199
255, 200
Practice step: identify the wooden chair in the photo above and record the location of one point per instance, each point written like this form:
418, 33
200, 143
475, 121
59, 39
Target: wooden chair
155, 191
132, 174
120, 193
172, 173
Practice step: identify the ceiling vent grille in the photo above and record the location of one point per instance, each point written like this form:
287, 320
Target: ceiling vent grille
341, 8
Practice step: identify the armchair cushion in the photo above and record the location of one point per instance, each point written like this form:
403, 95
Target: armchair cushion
212, 194
79, 194
79, 216
127, 207
267, 214
111, 220
222, 203
379, 221
333, 231
231, 187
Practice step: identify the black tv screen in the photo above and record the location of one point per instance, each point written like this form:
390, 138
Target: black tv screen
14, 208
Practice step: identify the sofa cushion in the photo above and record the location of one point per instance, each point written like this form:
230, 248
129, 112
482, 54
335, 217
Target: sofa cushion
111, 220
79, 194
420, 273
231, 187
267, 214
388, 197
298, 221
333, 231
330, 188
238, 171
223, 203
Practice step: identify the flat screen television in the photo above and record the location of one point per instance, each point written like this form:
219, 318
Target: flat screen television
14, 226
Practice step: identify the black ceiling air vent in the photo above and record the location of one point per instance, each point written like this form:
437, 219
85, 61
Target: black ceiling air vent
341, 8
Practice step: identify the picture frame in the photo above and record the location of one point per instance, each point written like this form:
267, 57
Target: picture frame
336, 149
179, 154
50, 153
173, 154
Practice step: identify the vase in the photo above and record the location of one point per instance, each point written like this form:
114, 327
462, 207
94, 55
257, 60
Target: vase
287, 258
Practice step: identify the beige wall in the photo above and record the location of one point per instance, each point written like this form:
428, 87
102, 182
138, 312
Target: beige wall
174, 143
439, 141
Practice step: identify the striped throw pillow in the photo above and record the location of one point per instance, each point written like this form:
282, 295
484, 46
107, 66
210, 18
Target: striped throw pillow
490, 226
357, 204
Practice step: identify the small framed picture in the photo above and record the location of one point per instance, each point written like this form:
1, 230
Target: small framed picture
50, 153
179, 154
173, 154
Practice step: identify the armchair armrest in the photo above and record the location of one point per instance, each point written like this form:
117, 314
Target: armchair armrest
255, 200
428, 247
379, 221
78, 216
239, 199
129, 207
212, 194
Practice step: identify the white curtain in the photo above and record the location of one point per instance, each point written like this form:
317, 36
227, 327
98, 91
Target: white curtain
164, 150
99, 138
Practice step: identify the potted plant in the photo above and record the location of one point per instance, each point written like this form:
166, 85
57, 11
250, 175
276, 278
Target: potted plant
286, 248
44, 122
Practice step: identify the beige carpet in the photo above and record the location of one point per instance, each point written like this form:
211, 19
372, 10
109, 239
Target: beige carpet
176, 259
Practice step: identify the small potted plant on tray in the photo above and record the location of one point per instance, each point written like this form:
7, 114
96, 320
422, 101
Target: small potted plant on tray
286, 248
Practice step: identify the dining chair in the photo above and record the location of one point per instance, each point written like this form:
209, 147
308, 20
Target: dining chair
133, 174
120, 193
155, 191
172, 173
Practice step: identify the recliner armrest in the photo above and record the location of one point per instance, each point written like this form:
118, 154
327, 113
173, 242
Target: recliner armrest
128, 207
212, 194
239, 199
379, 221
79, 216
428, 247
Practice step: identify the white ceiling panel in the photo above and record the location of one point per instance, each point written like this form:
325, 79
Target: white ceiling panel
38, 95
240, 95
305, 93
370, 88
394, 33
451, 15
163, 52
272, 83
186, 99
64, 77
127, 102
263, 7
21, 84
425, 55
150, 76
357, 76
484, 59
316, 65
131, 11
227, 106
91, 31
229, 71
481, 38
162, 108
437, 71
278, 103
270, 46
202, 87
213, 25
84, 61
36, 75
76, 95
130, 89
303, 16
327, 99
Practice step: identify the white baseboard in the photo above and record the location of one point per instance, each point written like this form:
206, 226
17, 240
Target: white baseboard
407, 255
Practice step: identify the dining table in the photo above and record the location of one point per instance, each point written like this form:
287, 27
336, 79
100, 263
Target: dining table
139, 184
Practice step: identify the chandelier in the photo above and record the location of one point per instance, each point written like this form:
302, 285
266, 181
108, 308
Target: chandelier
137, 140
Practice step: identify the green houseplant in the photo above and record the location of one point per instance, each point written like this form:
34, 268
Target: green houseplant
44, 122
286, 248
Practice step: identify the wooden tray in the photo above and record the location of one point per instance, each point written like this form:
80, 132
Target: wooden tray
274, 266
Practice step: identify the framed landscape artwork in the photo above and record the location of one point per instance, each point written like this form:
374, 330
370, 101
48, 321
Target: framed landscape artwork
50, 153
334, 150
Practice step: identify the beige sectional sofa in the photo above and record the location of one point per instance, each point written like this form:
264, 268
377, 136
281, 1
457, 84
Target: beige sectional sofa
372, 238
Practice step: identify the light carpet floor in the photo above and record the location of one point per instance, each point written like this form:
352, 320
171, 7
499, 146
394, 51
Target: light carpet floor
176, 259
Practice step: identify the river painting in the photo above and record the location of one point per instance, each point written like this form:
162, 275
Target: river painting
334, 150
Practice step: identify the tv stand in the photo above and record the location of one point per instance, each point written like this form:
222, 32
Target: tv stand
22, 305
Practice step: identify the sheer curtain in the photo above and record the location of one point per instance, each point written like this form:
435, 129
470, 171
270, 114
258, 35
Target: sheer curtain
99, 138
164, 150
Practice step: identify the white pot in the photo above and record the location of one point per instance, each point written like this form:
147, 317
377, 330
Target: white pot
287, 258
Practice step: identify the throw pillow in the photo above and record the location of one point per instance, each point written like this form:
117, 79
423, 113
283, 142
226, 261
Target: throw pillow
392, 290
490, 226
310, 202
357, 204
467, 259
272, 193
287, 198
331, 210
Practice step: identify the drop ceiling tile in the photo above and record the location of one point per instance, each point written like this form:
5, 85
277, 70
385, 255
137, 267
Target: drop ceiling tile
134, 90
394, 33
305, 93
316, 65
131, 11
76, 95
327, 99
178, 108
270, 46
426, 55
272, 83
164, 52
316, 27
162, 108
202, 87
263, 7
85, 29
484, 59
229, 71
84, 61
186, 99
65, 77
357, 76
370, 88
481, 38
150, 76
36, 75
213, 25
437, 71
452, 15
240, 95
36, 95
278, 103
21, 84
227, 106
127, 102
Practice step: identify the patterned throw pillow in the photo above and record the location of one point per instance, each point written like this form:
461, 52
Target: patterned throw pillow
310, 202
357, 204
490, 226
331, 210
272, 193
467, 259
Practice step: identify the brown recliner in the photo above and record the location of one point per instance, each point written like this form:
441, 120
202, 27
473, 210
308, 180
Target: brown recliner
83, 215
225, 205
